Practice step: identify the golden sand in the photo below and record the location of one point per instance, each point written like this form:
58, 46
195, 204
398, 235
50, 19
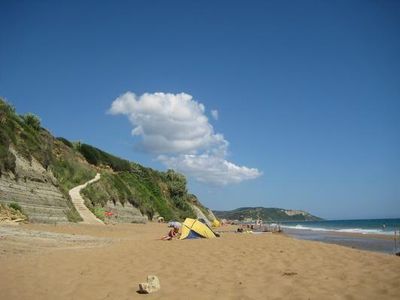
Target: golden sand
108, 262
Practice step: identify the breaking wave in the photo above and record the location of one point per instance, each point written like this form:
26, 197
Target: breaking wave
344, 230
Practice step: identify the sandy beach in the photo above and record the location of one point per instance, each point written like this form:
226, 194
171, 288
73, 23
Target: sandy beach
108, 262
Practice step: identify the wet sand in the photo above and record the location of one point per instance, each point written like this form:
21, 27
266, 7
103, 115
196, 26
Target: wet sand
371, 242
108, 262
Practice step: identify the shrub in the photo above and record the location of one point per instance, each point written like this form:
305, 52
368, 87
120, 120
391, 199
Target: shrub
15, 206
6, 108
32, 121
99, 211
65, 141
73, 215
176, 183
7, 160
98, 157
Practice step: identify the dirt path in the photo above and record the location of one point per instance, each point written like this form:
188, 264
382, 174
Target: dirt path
87, 216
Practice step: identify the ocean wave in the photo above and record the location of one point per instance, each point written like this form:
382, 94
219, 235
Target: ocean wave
344, 230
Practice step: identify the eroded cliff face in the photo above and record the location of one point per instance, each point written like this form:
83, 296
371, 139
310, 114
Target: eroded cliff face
35, 189
126, 213
292, 212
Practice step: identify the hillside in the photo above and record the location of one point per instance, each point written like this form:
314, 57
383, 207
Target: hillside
37, 170
266, 214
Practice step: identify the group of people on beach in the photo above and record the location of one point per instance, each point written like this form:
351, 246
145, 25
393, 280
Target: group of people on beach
258, 225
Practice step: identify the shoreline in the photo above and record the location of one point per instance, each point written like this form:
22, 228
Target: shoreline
348, 234
380, 243
369, 241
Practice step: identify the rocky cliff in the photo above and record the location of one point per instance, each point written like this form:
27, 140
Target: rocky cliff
35, 189
126, 213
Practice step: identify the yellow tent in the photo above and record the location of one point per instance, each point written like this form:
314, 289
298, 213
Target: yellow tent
216, 223
193, 229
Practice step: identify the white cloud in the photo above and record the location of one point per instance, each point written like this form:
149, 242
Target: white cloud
168, 123
214, 114
175, 127
210, 168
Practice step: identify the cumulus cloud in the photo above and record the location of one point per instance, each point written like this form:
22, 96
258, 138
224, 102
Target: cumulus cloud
175, 127
210, 168
214, 114
168, 123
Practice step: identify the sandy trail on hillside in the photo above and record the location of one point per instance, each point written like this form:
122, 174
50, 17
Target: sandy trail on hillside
235, 266
77, 200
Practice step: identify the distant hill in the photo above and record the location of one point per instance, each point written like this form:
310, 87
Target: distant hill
266, 214
37, 170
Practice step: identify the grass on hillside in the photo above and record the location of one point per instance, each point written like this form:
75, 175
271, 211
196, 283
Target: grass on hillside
71, 173
98, 157
143, 192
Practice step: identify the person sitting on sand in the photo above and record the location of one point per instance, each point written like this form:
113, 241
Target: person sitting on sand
171, 234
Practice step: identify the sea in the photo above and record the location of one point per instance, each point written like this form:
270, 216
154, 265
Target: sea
368, 234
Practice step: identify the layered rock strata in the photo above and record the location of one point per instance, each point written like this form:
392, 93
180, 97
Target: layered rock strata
126, 213
35, 189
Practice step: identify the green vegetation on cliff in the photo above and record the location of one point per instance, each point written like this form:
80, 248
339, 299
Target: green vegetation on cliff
98, 157
152, 192
25, 134
149, 190
266, 214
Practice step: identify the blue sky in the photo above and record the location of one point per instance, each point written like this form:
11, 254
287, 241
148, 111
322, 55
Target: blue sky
307, 93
